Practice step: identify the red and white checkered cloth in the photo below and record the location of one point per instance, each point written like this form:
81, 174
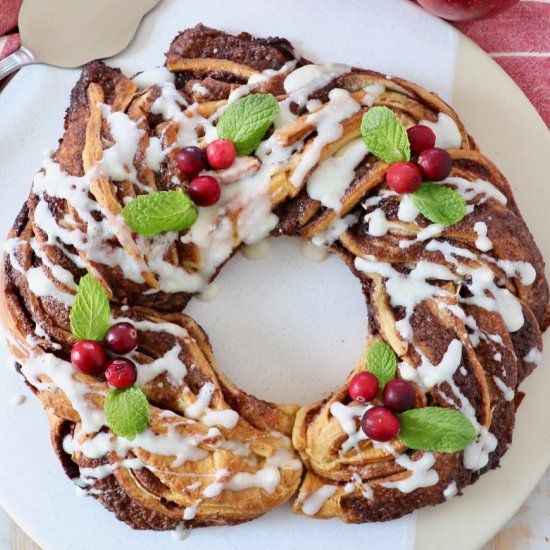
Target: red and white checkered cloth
518, 39
9, 40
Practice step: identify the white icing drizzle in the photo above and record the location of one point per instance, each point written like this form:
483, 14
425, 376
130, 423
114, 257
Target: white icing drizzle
408, 212
534, 356
313, 252
507, 391
151, 77
316, 500
169, 363
447, 134
55, 183
200, 410
524, 270
209, 293
472, 189
17, 399
155, 154
258, 250
483, 243
450, 491
363, 486
191, 511
379, 225
305, 80
327, 121
421, 473
267, 479
313, 105
61, 373
348, 416
283, 458
330, 180
118, 160
180, 532
476, 455
334, 231
408, 290
429, 232
372, 92
88, 476
199, 89
482, 280
429, 375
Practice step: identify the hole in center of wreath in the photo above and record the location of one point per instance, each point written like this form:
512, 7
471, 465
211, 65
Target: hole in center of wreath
283, 328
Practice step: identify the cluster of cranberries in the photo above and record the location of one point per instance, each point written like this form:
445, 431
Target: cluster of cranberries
380, 423
90, 357
219, 155
432, 164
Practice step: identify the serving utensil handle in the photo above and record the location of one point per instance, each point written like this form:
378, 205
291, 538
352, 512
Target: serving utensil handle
15, 61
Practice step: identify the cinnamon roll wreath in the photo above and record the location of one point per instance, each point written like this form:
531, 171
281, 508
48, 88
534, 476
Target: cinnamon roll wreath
213, 454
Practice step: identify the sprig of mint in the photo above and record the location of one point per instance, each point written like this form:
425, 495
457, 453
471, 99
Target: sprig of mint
385, 136
158, 212
89, 317
246, 121
436, 429
382, 362
127, 411
439, 203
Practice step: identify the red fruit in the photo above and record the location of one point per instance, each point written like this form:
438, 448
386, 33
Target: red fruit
88, 357
191, 160
435, 164
466, 10
380, 424
363, 387
121, 372
204, 190
399, 395
421, 138
404, 177
221, 154
122, 338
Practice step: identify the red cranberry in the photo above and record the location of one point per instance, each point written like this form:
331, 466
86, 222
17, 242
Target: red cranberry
221, 154
404, 177
399, 395
88, 357
122, 338
191, 160
380, 424
121, 372
363, 387
421, 138
204, 190
435, 163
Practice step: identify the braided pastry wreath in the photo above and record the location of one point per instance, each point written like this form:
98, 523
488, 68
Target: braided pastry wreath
454, 284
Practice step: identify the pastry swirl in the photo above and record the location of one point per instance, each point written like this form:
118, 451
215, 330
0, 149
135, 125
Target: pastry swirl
462, 306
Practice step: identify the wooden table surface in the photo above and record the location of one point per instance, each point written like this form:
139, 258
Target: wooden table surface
529, 529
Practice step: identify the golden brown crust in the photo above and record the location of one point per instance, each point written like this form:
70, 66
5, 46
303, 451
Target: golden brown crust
156, 494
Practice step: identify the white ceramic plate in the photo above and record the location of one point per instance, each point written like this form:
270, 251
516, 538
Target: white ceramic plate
283, 328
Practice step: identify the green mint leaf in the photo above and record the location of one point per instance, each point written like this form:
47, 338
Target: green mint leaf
382, 362
246, 121
89, 317
436, 429
127, 411
158, 212
440, 204
385, 136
